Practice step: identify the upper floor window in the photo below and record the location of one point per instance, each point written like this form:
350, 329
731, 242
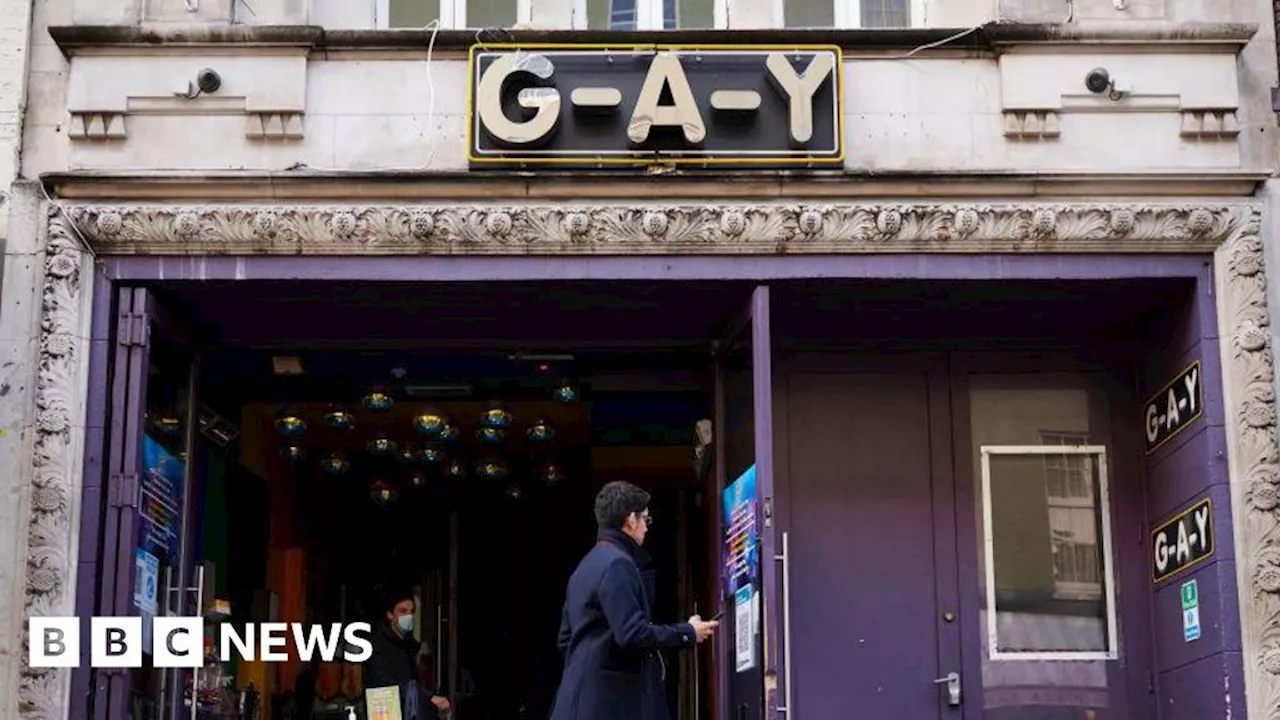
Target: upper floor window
642, 14
650, 14
846, 13
452, 14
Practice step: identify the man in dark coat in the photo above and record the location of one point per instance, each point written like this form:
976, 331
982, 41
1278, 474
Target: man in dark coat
395, 659
613, 668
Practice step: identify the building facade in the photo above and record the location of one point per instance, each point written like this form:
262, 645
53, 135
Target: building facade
1033, 225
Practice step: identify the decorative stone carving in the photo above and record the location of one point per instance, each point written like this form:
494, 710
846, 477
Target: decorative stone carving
273, 126
1210, 124
1255, 456
1031, 125
41, 693
422, 224
645, 229
97, 126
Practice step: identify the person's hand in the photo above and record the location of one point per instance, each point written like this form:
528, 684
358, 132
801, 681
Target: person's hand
703, 629
442, 704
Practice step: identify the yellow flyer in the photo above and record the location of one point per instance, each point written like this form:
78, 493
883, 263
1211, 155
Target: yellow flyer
383, 703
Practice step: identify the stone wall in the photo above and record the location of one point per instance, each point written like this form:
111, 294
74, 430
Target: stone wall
17, 272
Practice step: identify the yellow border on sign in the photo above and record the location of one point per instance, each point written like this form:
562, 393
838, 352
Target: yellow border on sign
838, 158
1213, 549
1165, 388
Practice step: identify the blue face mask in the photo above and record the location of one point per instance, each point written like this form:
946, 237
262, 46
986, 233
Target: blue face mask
404, 623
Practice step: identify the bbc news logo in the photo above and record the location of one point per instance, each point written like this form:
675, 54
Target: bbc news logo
178, 642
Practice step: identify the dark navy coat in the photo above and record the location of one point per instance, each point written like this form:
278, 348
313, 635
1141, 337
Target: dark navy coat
612, 666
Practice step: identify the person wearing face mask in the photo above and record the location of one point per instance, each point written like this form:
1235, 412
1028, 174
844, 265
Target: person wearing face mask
395, 660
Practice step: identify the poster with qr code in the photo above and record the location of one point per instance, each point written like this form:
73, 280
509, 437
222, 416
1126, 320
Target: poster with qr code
744, 629
742, 565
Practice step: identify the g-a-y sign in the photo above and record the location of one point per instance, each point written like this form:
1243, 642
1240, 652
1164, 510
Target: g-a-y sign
1182, 541
588, 105
1173, 408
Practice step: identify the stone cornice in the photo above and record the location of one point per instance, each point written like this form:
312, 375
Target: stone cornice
991, 37
674, 185
655, 229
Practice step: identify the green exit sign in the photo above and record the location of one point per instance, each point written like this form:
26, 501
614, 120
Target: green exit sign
1190, 595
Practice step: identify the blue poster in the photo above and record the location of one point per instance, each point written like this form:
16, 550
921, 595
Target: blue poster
742, 537
160, 506
742, 564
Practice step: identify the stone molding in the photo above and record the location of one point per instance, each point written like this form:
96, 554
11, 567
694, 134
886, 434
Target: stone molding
1232, 230
651, 229
55, 460
1254, 455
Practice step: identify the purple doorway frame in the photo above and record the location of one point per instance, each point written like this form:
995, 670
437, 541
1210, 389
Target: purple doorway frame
758, 268
122, 270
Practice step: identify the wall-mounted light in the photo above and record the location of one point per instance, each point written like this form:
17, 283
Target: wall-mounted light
207, 81
1099, 81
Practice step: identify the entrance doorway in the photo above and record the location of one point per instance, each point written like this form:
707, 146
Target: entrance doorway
865, 514
315, 474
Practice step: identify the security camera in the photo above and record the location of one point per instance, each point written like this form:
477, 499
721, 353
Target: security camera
1098, 81
208, 81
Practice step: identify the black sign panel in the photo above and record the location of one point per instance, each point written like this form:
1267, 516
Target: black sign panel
588, 106
1185, 540
1175, 407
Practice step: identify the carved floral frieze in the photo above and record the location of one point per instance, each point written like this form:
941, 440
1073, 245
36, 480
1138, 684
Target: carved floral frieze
55, 466
1249, 376
571, 229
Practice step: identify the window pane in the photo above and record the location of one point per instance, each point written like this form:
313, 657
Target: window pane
1047, 559
1046, 517
611, 14
695, 14
491, 13
625, 14
886, 13
412, 13
809, 13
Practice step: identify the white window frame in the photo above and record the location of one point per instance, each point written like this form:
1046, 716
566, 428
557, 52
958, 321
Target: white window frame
848, 14
1108, 569
453, 14
649, 14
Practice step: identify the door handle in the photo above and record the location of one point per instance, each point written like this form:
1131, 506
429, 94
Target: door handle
952, 681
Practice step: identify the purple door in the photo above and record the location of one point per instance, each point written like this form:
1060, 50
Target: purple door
751, 647
866, 458
147, 539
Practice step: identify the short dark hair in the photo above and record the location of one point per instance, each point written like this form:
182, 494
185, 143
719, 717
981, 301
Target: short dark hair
392, 595
617, 500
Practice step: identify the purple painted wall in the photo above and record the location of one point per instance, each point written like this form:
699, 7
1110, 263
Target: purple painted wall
92, 499
1200, 679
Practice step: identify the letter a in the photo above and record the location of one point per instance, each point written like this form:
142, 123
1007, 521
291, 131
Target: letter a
666, 71
1173, 416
